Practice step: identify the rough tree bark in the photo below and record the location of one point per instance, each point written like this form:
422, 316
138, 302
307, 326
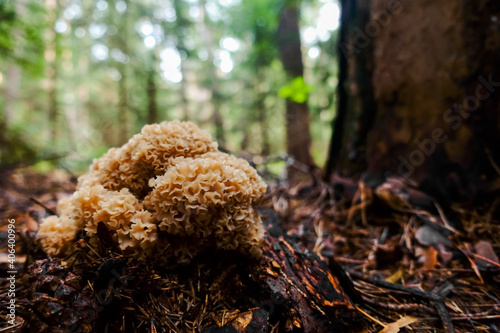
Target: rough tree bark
298, 137
421, 83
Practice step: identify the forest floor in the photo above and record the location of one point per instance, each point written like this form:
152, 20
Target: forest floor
415, 266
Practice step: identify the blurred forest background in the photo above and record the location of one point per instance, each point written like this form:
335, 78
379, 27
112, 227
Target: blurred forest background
359, 87
384, 113
78, 77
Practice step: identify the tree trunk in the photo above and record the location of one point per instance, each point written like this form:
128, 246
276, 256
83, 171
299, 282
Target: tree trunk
356, 107
348, 10
217, 116
13, 74
297, 114
82, 92
214, 87
183, 94
52, 57
123, 104
182, 25
298, 140
431, 74
151, 91
260, 107
247, 100
12, 78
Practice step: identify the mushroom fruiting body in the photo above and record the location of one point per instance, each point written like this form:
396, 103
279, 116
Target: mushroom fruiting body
168, 191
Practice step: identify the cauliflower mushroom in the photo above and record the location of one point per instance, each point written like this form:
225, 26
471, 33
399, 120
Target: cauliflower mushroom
167, 191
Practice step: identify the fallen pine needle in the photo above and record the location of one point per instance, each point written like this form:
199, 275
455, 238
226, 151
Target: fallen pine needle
398, 324
371, 318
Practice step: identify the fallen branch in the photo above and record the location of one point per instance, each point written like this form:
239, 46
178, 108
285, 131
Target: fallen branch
433, 298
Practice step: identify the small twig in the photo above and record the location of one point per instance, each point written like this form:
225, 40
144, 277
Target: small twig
371, 317
475, 317
492, 161
444, 218
7, 329
485, 259
47, 209
399, 307
349, 261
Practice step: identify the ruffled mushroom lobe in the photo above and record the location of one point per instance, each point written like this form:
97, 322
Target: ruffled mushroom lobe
167, 191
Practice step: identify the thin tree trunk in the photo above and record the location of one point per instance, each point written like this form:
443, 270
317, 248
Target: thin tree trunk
217, 116
123, 107
71, 123
261, 116
297, 114
13, 75
246, 138
151, 92
214, 87
53, 106
183, 94
81, 65
11, 92
52, 57
297, 131
247, 102
182, 24
260, 107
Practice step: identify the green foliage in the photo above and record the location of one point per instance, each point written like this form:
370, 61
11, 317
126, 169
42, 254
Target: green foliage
101, 96
21, 35
14, 148
276, 168
43, 167
257, 20
296, 91
7, 19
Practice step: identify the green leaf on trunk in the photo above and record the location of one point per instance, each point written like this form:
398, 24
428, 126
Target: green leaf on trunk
296, 91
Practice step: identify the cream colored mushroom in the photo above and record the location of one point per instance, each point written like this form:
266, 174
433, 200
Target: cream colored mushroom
167, 191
